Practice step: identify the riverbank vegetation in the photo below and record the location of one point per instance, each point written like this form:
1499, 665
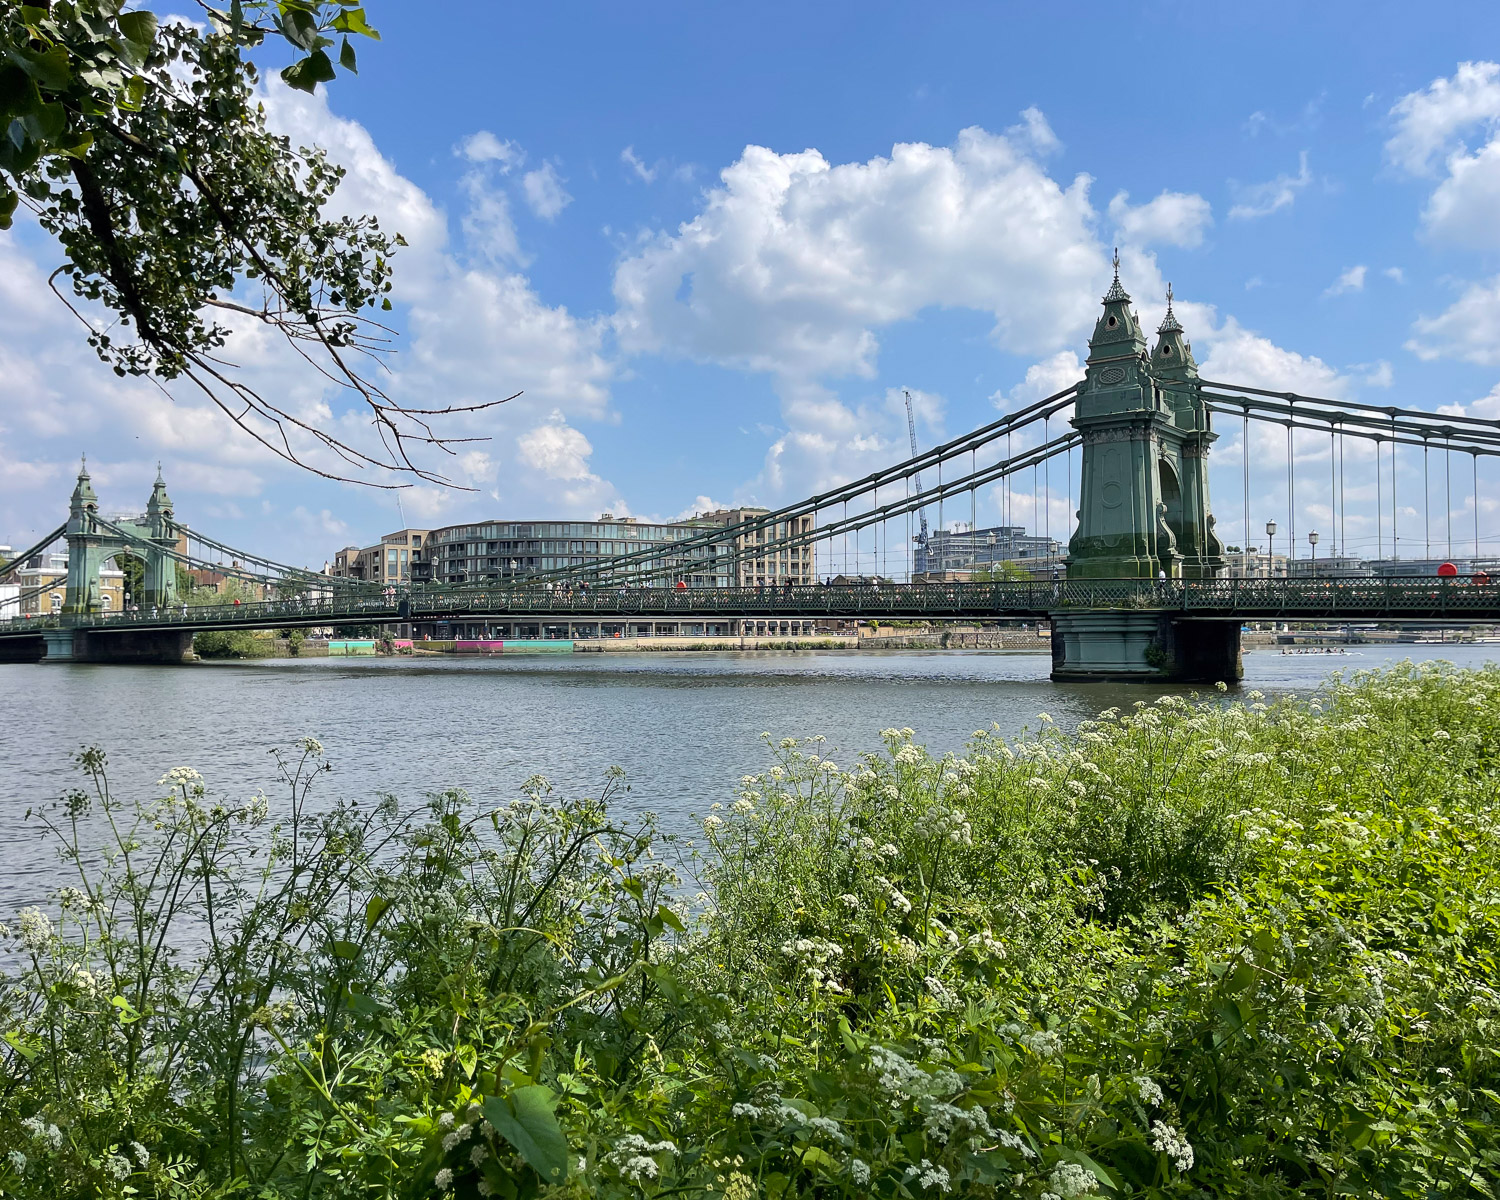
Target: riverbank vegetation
1192, 949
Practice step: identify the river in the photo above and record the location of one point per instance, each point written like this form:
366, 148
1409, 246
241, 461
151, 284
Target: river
684, 726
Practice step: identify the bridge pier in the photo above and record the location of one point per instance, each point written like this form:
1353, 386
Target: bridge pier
1138, 647
125, 646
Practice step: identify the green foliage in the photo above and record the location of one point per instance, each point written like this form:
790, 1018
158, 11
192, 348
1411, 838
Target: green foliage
1198, 949
1003, 572
134, 568
230, 643
142, 147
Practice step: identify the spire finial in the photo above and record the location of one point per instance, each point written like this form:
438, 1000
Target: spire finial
1117, 264
1169, 323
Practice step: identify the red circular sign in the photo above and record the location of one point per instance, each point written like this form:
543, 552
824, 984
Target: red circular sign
1447, 571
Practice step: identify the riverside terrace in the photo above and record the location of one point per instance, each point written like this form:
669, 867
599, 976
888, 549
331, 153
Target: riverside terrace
1178, 613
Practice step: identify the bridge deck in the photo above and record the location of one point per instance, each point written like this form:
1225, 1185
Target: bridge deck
1394, 599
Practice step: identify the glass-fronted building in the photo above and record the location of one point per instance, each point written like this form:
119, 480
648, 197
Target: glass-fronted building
503, 550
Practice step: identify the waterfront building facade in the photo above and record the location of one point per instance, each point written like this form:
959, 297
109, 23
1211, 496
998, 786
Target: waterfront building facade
43, 581
506, 550
392, 560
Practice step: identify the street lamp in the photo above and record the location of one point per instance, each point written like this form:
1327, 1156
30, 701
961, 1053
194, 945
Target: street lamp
1312, 540
1270, 549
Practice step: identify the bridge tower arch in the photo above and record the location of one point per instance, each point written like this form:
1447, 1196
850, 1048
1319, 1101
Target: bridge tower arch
92, 542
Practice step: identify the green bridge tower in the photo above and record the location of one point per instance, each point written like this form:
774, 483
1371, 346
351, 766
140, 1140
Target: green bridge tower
1144, 510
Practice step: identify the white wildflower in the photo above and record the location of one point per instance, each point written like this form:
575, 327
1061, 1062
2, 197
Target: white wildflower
927, 1175
633, 1155
1146, 1088
478, 1155
444, 1180
1170, 1142
445, 1121
182, 777
17, 1161
1044, 1043
142, 1155
117, 1166
36, 928
859, 1171
1070, 1180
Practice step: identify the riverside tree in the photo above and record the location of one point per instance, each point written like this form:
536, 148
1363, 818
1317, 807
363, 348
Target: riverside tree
142, 147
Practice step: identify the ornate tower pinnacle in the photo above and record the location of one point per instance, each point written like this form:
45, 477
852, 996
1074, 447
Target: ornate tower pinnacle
1116, 292
1169, 322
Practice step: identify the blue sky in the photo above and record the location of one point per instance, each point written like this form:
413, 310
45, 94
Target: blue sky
687, 233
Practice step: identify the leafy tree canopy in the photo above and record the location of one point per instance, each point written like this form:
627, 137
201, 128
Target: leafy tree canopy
142, 148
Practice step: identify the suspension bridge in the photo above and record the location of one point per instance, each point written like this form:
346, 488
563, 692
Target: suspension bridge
1147, 589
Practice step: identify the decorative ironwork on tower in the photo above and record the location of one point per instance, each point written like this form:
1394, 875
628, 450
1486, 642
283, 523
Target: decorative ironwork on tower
1144, 505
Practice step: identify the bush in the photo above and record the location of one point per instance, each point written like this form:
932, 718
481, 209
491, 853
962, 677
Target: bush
1194, 949
227, 643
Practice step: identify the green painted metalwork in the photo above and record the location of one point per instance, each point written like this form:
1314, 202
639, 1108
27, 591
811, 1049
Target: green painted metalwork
1144, 505
92, 541
1396, 599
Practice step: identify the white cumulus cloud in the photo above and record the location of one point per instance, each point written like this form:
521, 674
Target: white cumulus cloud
1172, 218
1467, 329
545, 193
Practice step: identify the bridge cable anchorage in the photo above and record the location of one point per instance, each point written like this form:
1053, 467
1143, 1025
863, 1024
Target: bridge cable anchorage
790, 514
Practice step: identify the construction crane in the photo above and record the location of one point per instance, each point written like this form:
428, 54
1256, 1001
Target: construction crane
911, 429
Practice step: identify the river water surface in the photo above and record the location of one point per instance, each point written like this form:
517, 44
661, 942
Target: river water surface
684, 726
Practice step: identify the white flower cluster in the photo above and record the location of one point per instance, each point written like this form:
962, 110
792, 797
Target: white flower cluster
1069, 1180
950, 824
181, 777
1044, 1043
927, 1175
35, 928
893, 893
859, 1171
1148, 1090
634, 1157
1171, 1143
904, 1080
948, 1120
942, 994
820, 955
41, 1131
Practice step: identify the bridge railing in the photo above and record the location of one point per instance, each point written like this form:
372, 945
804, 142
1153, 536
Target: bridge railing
1248, 598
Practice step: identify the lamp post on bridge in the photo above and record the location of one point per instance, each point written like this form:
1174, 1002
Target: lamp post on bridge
1270, 549
1312, 540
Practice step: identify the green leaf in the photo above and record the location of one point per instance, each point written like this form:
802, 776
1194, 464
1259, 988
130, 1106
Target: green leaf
345, 950
374, 910
139, 26
525, 1119
305, 76
346, 58
352, 20
50, 69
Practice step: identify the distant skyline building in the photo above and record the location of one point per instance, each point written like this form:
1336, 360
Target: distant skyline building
974, 549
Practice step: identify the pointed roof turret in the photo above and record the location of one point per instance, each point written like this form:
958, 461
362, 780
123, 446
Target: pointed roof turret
1116, 292
1118, 333
1174, 353
83, 490
160, 502
1169, 322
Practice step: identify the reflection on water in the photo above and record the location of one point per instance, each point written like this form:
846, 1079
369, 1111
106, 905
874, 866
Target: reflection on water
685, 726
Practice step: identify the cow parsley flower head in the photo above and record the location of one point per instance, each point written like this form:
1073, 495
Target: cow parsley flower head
35, 928
927, 1175
1069, 1180
1148, 1090
444, 1180
859, 1171
1171, 1143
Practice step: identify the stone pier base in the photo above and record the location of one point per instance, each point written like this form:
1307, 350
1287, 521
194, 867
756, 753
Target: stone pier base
1143, 647
126, 646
